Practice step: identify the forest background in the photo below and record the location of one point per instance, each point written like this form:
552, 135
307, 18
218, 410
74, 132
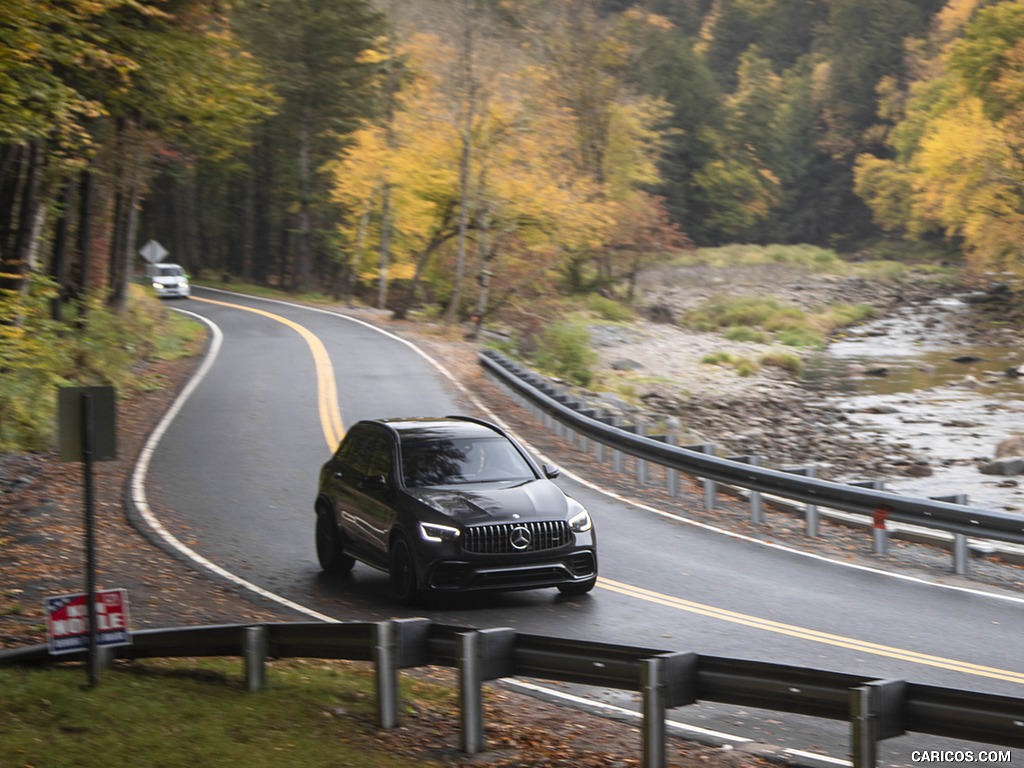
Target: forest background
460, 157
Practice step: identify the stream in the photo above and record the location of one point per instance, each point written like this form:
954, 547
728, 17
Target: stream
906, 380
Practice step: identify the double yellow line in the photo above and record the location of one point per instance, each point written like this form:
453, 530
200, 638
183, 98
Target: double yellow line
326, 387
333, 429
803, 633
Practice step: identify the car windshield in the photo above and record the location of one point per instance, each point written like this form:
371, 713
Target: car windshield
431, 461
169, 271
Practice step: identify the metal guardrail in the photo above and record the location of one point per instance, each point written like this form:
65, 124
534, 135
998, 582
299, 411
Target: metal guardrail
881, 506
875, 709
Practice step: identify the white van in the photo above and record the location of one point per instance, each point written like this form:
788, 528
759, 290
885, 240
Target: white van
169, 280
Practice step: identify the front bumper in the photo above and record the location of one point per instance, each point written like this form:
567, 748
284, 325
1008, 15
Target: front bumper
172, 291
471, 574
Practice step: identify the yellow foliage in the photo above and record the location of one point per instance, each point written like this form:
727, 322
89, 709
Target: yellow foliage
967, 179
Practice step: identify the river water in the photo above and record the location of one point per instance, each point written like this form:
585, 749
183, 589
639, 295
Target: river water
898, 381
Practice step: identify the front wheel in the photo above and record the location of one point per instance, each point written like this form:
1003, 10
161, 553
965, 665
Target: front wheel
403, 573
577, 588
329, 550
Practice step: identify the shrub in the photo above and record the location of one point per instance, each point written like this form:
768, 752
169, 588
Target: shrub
743, 333
95, 346
787, 361
797, 336
609, 309
761, 319
743, 366
564, 350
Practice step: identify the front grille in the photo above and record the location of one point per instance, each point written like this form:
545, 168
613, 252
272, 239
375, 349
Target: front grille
498, 539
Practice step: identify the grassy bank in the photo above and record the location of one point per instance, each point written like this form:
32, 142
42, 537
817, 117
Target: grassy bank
196, 712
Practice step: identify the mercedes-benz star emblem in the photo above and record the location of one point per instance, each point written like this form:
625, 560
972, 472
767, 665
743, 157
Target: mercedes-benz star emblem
519, 537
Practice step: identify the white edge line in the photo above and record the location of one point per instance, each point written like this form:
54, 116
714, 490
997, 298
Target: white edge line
142, 469
684, 728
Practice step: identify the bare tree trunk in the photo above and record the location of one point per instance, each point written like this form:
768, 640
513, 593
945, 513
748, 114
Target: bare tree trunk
14, 266
131, 234
85, 231
60, 263
391, 87
483, 273
384, 263
302, 273
468, 107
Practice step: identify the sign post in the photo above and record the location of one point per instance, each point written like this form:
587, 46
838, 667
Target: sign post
87, 433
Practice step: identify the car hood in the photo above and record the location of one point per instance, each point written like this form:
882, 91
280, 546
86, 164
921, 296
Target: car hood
169, 279
535, 500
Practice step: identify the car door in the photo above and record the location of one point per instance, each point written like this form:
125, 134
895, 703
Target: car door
345, 472
376, 492
364, 492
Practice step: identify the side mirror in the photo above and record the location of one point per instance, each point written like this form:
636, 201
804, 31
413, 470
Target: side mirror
550, 471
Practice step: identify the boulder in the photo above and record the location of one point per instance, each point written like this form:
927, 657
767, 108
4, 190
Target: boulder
1011, 465
1016, 371
626, 365
1011, 446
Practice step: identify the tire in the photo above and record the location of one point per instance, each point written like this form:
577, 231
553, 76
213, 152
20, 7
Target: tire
329, 549
577, 588
403, 573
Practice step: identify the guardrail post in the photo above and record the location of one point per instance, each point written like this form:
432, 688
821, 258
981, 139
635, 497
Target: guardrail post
641, 464
385, 652
811, 515
756, 506
961, 552
254, 650
616, 453
652, 688
879, 533
876, 713
710, 487
471, 709
672, 475
484, 654
667, 680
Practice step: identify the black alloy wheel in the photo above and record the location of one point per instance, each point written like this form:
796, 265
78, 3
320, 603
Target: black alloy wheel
403, 573
329, 550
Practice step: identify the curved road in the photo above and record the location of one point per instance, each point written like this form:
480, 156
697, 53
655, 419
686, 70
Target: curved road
238, 466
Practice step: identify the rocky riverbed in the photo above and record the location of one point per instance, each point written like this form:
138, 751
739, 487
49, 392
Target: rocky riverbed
658, 371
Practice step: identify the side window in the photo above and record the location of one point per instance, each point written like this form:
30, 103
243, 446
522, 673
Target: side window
354, 449
379, 458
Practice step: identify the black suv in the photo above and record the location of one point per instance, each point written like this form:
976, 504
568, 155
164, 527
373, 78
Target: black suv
450, 504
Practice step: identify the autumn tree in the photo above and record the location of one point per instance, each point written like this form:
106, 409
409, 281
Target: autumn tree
958, 151
101, 88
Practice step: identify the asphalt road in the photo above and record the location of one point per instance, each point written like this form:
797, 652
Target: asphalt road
238, 466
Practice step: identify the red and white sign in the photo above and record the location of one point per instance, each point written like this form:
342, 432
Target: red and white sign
67, 620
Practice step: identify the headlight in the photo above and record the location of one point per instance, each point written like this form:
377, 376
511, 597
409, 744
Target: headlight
581, 522
438, 533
